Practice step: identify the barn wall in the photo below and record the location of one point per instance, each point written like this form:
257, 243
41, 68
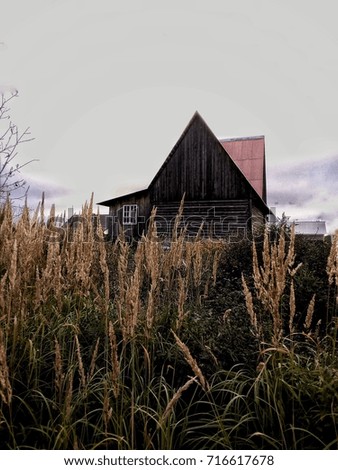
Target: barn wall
115, 212
258, 220
214, 219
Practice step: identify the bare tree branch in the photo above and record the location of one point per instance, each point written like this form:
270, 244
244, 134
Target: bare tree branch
11, 180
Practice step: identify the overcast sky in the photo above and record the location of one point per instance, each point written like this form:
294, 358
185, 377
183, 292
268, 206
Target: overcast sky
108, 86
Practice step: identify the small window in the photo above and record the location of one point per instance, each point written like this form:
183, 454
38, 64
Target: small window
130, 214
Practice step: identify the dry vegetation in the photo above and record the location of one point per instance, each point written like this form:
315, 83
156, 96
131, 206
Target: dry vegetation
153, 346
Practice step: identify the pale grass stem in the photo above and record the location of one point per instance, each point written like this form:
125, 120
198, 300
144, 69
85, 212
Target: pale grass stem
150, 309
215, 264
93, 360
197, 262
122, 266
132, 308
332, 264
5, 385
59, 375
182, 296
249, 304
292, 307
80, 363
309, 313
170, 406
115, 365
4, 303
69, 397
178, 219
332, 261
12, 274
107, 410
192, 362
103, 266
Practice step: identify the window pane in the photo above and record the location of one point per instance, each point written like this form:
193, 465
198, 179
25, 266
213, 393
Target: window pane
130, 214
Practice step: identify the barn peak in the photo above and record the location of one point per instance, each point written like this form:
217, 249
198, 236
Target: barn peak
248, 153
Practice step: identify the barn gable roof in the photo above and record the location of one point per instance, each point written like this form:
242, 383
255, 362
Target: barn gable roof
245, 154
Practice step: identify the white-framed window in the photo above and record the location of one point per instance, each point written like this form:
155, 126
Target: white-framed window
129, 214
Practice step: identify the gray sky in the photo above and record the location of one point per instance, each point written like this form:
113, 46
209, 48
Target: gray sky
108, 86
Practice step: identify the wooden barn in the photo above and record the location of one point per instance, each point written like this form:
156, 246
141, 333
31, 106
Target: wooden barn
223, 183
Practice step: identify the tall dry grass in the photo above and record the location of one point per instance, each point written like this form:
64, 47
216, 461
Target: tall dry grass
98, 342
81, 322
273, 281
332, 266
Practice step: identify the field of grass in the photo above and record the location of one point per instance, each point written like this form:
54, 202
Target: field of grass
189, 345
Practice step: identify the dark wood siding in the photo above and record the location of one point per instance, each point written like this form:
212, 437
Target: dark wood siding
200, 168
258, 220
214, 219
115, 212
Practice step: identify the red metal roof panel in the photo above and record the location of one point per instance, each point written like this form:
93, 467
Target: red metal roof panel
249, 155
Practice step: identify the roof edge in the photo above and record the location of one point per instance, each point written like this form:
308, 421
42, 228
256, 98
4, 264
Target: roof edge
109, 202
237, 139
